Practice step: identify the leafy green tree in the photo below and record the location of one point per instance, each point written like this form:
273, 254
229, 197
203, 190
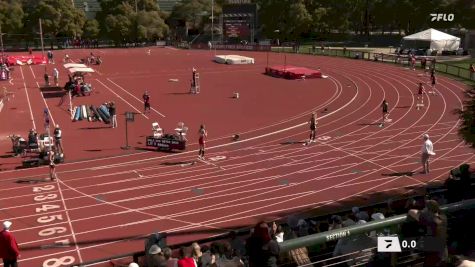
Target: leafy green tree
122, 20
11, 16
193, 13
59, 17
91, 29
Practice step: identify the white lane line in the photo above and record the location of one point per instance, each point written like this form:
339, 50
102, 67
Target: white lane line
120, 87
69, 220
28, 99
112, 91
46, 104
32, 72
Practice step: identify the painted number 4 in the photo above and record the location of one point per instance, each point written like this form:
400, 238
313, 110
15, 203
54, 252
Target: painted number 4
324, 138
217, 158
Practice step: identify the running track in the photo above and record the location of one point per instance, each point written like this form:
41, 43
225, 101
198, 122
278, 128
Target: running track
98, 205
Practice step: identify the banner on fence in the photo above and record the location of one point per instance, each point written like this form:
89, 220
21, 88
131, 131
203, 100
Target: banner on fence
161, 43
234, 47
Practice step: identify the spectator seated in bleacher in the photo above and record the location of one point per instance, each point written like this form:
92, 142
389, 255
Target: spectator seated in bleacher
351, 248
262, 250
434, 225
167, 253
185, 258
155, 257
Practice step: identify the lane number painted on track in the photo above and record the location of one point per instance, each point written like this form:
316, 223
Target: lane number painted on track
44, 193
324, 138
63, 261
217, 158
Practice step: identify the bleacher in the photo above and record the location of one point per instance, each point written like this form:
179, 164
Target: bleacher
311, 241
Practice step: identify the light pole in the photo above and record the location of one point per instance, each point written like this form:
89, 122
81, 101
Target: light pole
1, 41
136, 7
212, 22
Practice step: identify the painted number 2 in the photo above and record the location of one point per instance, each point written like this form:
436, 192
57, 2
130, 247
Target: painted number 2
324, 138
63, 261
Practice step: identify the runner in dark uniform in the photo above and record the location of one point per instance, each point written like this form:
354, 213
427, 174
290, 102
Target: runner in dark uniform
420, 96
385, 107
433, 82
146, 101
313, 127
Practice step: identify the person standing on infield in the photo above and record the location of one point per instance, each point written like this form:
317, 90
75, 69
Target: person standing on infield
427, 151
9, 251
202, 132
313, 128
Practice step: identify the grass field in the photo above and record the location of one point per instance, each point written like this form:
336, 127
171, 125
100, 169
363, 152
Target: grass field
462, 64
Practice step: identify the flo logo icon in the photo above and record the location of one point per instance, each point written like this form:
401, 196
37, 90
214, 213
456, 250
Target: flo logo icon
442, 17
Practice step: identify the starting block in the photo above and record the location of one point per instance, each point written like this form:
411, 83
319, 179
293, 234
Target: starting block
388, 120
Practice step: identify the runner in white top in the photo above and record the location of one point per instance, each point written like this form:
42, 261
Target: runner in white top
427, 151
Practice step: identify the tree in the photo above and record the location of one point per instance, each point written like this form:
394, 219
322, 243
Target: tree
91, 29
192, 13
59, 17
11, 16
150, 26
125, 21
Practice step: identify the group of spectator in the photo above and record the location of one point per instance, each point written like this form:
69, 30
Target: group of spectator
81, 43
426, 223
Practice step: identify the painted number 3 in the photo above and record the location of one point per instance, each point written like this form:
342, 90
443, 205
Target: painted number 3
324, 138
63, 261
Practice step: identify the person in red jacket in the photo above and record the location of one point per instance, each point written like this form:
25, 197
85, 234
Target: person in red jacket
9, 251
185, 259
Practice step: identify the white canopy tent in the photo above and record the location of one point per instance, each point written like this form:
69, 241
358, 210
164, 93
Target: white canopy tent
74, 65
81, 70
433, 39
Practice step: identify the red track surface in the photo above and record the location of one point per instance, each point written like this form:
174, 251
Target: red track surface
109, 196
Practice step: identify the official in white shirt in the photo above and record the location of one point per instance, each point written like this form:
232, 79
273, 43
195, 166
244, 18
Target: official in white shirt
427, 151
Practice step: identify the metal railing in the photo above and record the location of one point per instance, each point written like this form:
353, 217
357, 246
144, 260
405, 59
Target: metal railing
359, 229
453, 70
322, 238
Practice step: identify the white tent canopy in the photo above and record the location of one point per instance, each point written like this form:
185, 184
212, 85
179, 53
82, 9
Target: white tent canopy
81, 70
74, 65
433, 39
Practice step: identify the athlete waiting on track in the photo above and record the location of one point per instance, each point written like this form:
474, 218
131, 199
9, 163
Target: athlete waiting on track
385, 107
202, 132
313, 127
420, 95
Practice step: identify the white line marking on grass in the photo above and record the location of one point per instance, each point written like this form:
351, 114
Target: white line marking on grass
122, 99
